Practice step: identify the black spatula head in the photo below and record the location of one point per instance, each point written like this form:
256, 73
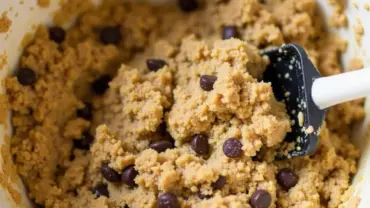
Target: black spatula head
291, 74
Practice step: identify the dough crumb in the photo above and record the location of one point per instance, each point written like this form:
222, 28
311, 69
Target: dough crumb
309, 130
43, 3
5, 23
300, 118
356, 63
359, 31
355, 5
367, 6
3, 60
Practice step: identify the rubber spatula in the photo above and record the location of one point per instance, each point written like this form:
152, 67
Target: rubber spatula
307, 95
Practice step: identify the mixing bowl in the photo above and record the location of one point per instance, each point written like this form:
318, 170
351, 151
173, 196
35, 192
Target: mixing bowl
26, 15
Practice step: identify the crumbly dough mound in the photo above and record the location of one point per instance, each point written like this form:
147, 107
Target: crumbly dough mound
135, 109
69, 121
236, 97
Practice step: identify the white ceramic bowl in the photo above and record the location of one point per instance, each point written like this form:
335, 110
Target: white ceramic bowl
25, 15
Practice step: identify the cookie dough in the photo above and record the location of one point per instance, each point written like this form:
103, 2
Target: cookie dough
139, 105
5, 22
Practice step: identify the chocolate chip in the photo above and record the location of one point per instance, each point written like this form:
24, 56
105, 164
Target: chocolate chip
162, 129
200, 145
161, 146
109, 173
232, 148
85, 112
110, 35
203, 196
255, 158
287, 178
57, 34
100, 85
170, 139
101, 190
84, 142
73, 192
220, 183
168, 200
188, 5
155, 64
39, 205
259, 155
260, 199
128, 176
229, 32
26, 76
72, 156
206, 82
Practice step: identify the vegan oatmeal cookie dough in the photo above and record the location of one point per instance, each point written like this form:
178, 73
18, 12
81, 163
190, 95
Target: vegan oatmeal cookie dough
141, 105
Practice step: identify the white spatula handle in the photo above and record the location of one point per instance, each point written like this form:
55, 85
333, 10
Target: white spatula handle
332, 90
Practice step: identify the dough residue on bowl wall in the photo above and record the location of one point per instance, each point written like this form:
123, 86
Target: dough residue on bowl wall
3, 60
338, 18
359, 31
367, 6
5, 22
356, 63
8, 175
43, 3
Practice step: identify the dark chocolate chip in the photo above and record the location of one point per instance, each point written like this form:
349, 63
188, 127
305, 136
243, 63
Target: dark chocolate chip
39, 205
203, 196
128, 176
170, 139
287, 178
101, 84
260, 199
232, 148
110, 35
85, 112
188, 5
259, 155
289, 139
200, 145
73, 192
229, 32
255, 158
155, 64
84, 142
101, 190
207, 81
162, 129
109, 173
219, 183
168, 200
161, 146
57, 34
72, 156
26, 76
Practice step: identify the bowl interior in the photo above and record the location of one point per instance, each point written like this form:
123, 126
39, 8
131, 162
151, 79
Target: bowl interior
27, 15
